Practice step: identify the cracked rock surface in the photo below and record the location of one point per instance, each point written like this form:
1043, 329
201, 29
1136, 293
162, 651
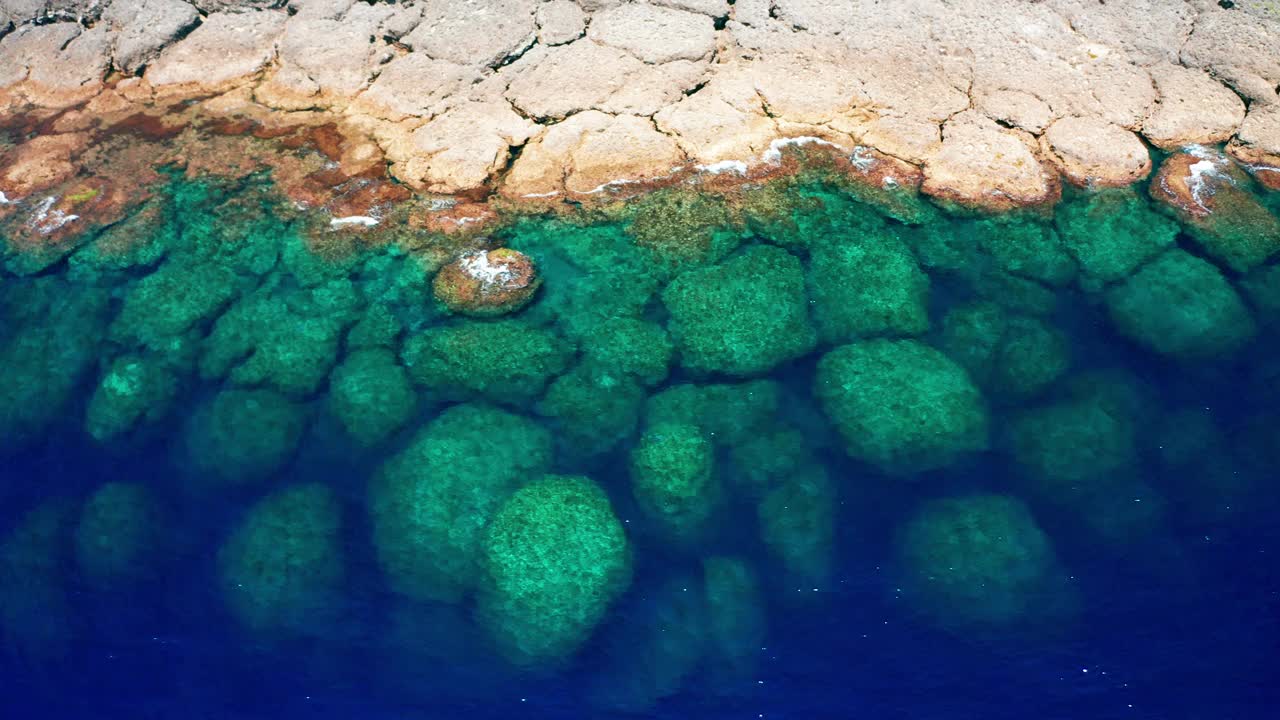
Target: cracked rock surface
992, 100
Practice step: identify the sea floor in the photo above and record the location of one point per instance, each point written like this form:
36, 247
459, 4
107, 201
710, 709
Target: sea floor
797, 451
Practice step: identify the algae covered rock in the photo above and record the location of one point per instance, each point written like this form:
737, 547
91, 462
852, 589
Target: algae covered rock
120, 535
673, 479
288, 340
371, 395
1182, 306
1009, 355
1211, 196
629, 347
681, 229
901, 405
1026, 249
282, 568
239, 437
180, 295
979, 562
797, 519
487, 283
727, 413
866, 286
1112, 233
49, 336
508, 361
431, 502
555, 557
592, 411
742, 317
136, 391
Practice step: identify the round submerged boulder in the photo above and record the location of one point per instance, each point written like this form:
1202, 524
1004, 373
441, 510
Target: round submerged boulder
1182, 306
282, 568
119, 536
901, 405
1111, 234
554, 559
487, 283
744, 316
239, 437
508, 361
431, 502
371, 395
135, 392
866, 286
978, 562
673, 478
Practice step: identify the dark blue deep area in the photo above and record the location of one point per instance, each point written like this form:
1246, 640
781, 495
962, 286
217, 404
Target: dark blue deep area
1190, 634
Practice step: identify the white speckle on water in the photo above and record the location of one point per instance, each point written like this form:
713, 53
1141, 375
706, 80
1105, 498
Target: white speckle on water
476, 264
774, 153
553, 193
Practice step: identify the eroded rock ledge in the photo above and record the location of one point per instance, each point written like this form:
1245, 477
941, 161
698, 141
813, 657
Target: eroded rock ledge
993, 102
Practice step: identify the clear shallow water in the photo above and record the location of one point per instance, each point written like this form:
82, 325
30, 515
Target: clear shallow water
1127, 433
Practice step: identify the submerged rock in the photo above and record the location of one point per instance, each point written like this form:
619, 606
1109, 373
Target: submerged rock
487, 283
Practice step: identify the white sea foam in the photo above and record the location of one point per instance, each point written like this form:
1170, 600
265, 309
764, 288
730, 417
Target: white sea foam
724, 166
361, 220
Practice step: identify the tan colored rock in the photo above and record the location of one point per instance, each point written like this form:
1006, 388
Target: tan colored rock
804, 89
143, 28
1193, 108
1125, 93
474, 32
324, 62
560, 21
226, 50
724, 121
560, 81
1257, 144
906, 138
1017, 108
541, 168
981, 165
626, 151
653, 87
1149, 31
459, 151
1092, 152
40, 163
713, 8
1236, 47
415, 85
654, 34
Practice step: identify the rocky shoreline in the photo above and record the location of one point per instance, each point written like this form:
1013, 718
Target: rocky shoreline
986, 104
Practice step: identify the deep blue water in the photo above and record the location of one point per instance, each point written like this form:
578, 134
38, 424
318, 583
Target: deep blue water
1179, 619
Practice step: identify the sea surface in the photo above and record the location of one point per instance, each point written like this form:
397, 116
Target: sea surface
868, 459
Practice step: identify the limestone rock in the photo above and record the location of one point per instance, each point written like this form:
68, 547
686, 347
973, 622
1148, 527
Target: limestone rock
628, 149
654, 87
1017, 108
144, 28
225, 50
24, 11
40, 163
560, 81
902, 137
1094, 153
31, 44
1257, 144
560, 21
983, 165
1148, 31
415, 85
216, 6
723, 121
1193, 109
324, 61
804, 89
1237, 48
460, 149
714, 8
654, 34
540, 170
474, 32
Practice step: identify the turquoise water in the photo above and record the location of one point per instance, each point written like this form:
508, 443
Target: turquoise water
803, 450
